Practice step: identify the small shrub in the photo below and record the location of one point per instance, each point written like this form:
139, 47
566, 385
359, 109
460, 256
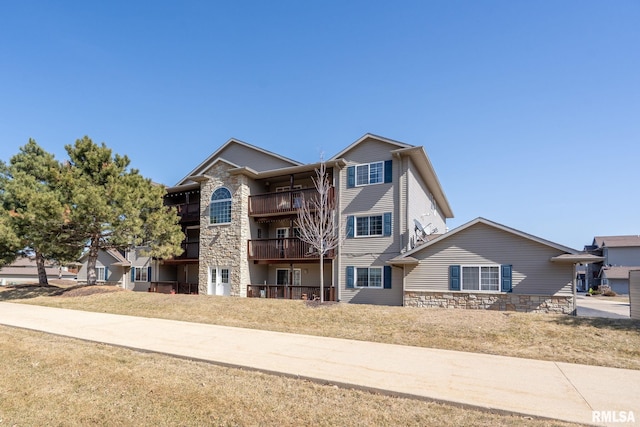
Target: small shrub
609, 293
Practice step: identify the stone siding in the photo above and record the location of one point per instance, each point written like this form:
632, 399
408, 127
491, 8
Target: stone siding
225, 245
491, 301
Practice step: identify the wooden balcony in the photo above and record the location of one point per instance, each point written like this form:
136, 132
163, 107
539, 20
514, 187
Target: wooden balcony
189, 256
290, 292
283, 250
188, 212
284, 203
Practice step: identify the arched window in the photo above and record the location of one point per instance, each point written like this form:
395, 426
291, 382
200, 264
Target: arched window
220, 208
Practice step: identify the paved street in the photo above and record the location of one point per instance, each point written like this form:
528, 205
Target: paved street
602, 307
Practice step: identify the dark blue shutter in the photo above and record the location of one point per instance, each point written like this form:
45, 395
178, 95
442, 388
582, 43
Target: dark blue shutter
387, 224
454, 277
387, 277
349, 277
350, 226
388, 168
148, 274
133, 274
351, 176
506, 278
106, 273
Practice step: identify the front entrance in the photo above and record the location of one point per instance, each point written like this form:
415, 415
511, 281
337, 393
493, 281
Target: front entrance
219, 281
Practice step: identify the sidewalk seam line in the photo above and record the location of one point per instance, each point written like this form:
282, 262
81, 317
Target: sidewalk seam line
573, 385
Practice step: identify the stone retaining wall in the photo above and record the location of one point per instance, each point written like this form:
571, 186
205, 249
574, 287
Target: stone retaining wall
491, 301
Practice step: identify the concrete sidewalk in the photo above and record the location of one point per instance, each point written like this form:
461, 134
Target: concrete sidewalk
561, 391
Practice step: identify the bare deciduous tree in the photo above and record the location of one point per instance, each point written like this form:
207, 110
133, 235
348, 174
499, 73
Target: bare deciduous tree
317, 220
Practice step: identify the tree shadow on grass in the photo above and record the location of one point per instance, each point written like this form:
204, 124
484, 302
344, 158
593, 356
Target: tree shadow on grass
600, 323
28, 291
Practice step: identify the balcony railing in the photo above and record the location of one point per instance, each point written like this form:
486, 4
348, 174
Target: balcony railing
283, 249
188, 212
286, 202
191, 250
290, 292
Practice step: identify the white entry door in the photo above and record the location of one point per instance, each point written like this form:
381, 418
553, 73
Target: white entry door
219, 281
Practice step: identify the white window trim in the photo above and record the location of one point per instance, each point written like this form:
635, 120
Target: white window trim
98, 275
211, 202
135, 274
355, 226
368, 174
355, 277
479, 266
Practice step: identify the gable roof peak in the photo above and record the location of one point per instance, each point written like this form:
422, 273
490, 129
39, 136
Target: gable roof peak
212, 158
481, 220
371, 136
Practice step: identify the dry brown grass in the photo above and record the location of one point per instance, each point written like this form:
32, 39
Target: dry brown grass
56, 381
605, 342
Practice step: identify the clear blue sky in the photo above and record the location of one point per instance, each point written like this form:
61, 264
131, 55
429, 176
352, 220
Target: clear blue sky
528, 110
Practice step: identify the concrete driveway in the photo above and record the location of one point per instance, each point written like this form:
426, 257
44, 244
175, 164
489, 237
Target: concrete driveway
612, 308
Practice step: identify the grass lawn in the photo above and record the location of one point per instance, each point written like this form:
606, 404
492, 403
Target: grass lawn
50, 380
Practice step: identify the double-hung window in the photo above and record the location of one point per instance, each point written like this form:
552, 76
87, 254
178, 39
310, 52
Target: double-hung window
369, 225
370, 173
220, 208
100, 274
480, 278
370, 277
141, 274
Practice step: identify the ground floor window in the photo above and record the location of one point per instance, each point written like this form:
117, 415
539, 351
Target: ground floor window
140, 274
100, 274
370, 277
480, 278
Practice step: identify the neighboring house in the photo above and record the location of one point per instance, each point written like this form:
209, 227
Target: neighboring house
619, 253
24, 270
131, 269
112, 268
238, 210
486, 265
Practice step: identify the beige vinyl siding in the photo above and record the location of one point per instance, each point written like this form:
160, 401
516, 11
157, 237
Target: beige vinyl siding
369, 150
634, 293
104, 260
422, 205
480, 244
245, 156
391, 296
368, 200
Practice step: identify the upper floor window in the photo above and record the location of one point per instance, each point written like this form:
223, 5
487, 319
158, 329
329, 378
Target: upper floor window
369, 173
369, 225
220, 208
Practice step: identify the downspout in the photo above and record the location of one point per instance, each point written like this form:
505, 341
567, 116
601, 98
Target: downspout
573, 286
335, 264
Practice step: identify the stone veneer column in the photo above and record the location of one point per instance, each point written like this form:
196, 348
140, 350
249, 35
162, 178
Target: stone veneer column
224, 245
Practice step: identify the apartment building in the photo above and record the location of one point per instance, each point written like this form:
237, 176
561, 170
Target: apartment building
238, 210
